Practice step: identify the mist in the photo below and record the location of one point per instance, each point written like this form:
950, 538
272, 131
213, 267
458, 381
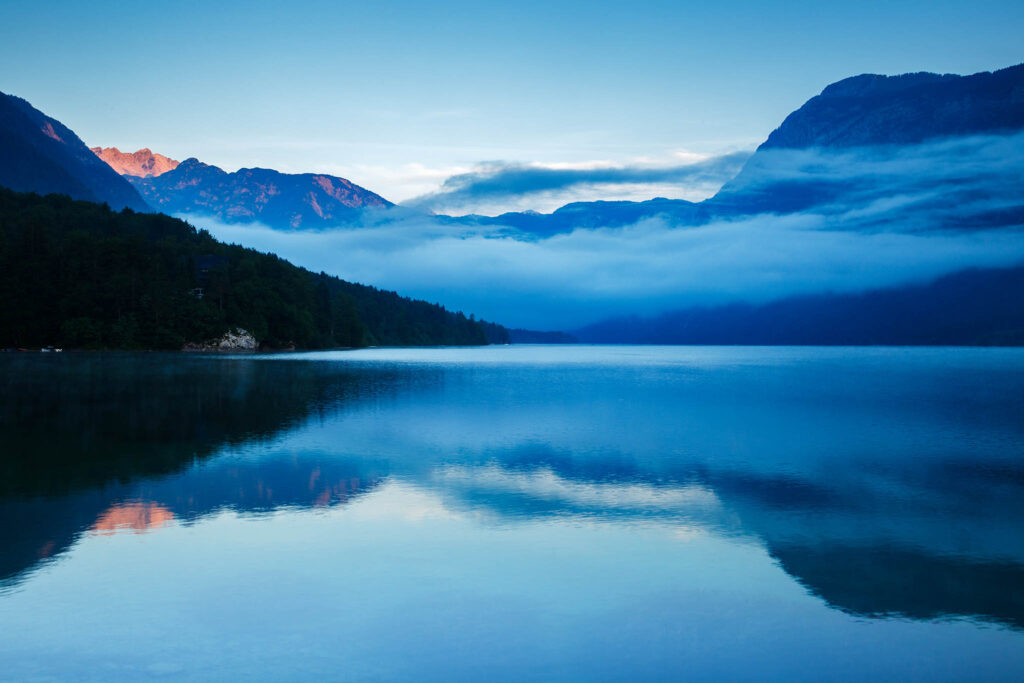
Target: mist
899, 216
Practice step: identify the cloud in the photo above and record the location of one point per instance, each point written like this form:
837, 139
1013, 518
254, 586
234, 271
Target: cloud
906, 216
518, 185
396, 182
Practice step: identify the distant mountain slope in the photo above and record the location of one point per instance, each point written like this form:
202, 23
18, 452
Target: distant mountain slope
280, 200
599, 214
141, 163
971, 307
40, 154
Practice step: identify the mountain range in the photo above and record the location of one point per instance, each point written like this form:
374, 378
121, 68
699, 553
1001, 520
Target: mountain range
280, 200
866, 111
913, 153
78, 274
869, 110
40, 154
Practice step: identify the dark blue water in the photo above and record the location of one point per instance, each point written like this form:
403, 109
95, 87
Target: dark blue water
511, 513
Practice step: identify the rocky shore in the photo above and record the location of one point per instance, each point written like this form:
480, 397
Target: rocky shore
236, 340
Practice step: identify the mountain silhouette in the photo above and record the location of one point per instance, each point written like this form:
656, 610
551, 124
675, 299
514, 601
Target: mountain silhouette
898, 110
40, 154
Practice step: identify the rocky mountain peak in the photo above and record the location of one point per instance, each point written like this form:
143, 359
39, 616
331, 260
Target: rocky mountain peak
143, 163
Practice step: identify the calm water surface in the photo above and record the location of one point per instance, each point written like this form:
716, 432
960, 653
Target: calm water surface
514, 513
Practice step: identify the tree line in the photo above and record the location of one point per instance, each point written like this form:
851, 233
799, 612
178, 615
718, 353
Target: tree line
77, 274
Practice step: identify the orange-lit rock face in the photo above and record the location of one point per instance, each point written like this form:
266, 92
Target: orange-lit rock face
50, 132
142, 163
137, 517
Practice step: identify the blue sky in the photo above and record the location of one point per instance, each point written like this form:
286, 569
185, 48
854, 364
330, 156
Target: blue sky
398, 96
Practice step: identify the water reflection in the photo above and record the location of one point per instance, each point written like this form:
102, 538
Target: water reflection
889, 486
83, 436
136, 516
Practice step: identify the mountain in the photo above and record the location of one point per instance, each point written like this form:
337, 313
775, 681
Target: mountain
142, 163
899, 110
79, 275
977, 307
40, 154
279, 200
846, 146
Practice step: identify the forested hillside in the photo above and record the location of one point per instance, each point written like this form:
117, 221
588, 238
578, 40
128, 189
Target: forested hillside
973, 307
78, 275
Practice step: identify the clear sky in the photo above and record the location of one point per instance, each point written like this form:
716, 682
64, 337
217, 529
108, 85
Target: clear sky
397, 96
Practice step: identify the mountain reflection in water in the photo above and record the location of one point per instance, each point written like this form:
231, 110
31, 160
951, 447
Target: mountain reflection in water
890, 483
137, 516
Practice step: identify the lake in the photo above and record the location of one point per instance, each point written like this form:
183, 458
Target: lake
514, 513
